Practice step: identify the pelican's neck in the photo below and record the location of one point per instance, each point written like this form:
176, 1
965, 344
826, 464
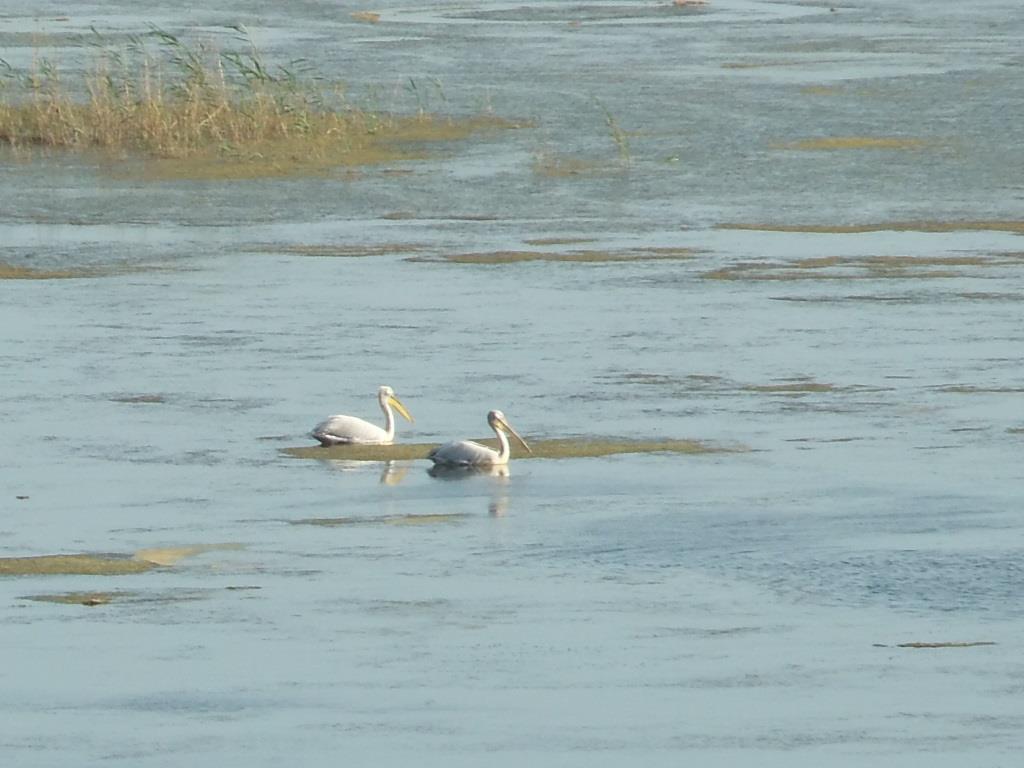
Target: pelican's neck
504, 451
389, 418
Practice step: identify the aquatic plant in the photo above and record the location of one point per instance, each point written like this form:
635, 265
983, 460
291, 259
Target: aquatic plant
561, 448
161, 97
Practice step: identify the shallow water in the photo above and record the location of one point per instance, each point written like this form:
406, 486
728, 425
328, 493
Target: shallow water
728, 608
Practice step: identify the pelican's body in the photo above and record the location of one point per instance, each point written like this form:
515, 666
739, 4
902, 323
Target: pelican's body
466, 453
341, 429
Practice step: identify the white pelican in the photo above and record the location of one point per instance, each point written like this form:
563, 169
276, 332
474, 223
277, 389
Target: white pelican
336, 430
466, 453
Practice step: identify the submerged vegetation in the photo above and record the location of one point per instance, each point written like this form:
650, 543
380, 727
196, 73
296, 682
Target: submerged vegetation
862, 267
205, 113
923, 225
563, 448
86, 564
12, 272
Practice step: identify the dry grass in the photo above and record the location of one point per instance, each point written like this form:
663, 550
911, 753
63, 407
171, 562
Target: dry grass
207, 114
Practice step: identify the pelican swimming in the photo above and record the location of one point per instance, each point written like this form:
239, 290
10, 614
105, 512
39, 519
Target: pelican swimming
466, 453
337, 430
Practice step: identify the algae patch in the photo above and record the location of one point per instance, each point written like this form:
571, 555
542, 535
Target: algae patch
75, 565
383, 140
11, 272
562, 448
85, 564
80, 598
835, 143
340, 250
860, 268
167, 556
93, 599
800, 387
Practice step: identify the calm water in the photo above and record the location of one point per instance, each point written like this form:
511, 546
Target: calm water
727, 609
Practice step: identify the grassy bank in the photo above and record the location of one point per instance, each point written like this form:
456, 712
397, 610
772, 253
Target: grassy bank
197, 111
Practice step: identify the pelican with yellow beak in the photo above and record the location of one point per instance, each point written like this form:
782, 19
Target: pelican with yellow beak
466, 453
341, 430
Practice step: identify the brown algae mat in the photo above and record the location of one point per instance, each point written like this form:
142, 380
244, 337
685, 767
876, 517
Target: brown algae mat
85, 564
563, 448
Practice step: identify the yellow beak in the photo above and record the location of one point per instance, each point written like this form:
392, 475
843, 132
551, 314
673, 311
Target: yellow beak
508, 428
394, 401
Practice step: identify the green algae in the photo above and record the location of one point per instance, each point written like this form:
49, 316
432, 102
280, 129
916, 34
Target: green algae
562, 448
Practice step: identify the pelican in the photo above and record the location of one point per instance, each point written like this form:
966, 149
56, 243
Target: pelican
339, 430
466, 453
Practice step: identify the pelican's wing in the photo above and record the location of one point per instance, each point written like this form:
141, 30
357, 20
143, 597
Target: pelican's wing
462, 453
348, 429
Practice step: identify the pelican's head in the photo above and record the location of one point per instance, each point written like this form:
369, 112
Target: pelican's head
387, 397
497, 420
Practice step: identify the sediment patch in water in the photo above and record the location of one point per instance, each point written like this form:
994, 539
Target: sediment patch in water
541, 241
80, 598
594, 256
861, 268
93, 599
339, 250
103, 564
77, 565
139, 399
335, 522
837, 143
564, 448
919, 225
973, 644
398, 139
11, 272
